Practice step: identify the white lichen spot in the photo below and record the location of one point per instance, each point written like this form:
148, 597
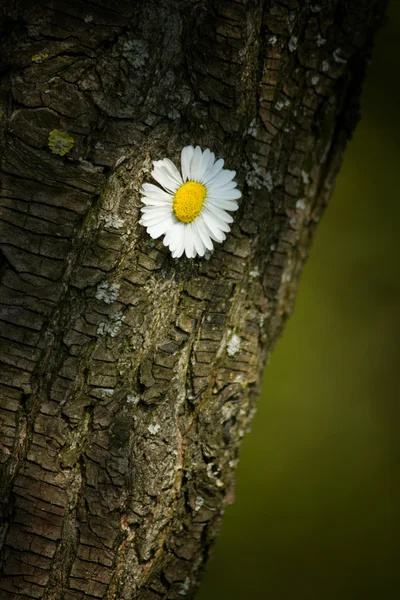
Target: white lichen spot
105, 392
337, 58
173, 114
228, 411
286, 277
314, 79
233, 345
252, 130
253, 178
136, 342
252, 413
268, 182
254, 273
107, 292
233, 463
300, 204
184, 587
325, 66
89, 19
114, 221
272, 40
272, 247
293, 221
320, 40
120, 160
154, 429
305, 177
135, 52
315, 8
279, 105
131, 399
212, 475
293, 43
198, 503
112, 326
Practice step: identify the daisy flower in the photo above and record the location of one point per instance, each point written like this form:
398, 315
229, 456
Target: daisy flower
191, 209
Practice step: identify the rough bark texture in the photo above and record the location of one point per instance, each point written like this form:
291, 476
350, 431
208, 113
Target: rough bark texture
128, 379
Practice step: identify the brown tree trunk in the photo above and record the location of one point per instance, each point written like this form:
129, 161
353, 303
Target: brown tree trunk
128, 379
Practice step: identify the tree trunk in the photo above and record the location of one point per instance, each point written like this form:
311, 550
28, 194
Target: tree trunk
128, 378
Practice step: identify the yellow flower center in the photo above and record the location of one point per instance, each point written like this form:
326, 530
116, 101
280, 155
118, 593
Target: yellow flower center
188, 201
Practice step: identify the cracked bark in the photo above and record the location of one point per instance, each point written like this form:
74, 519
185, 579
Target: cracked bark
122, 404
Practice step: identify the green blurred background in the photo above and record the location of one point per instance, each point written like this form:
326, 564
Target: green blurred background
317, 513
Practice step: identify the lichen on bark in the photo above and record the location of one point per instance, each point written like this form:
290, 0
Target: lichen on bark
128, 379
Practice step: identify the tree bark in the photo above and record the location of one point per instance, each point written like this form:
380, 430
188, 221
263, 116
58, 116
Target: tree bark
128, 379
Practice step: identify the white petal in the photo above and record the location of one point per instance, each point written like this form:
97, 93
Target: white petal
221, 236
186, 157
210, 164
168, 166
219, 213
157, 202
198, 244
150, 190
152, 210
215, 197
215, 231
168, 236
156, 230
211, 161
215, 169
224, 194
227, 187
175, 235
222, 225
189, 244
224, 204
203, 164
203, 232
180, 242
179, 250
150, 221
195, 164
173, 170
149, 212
222, 178
161, 174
